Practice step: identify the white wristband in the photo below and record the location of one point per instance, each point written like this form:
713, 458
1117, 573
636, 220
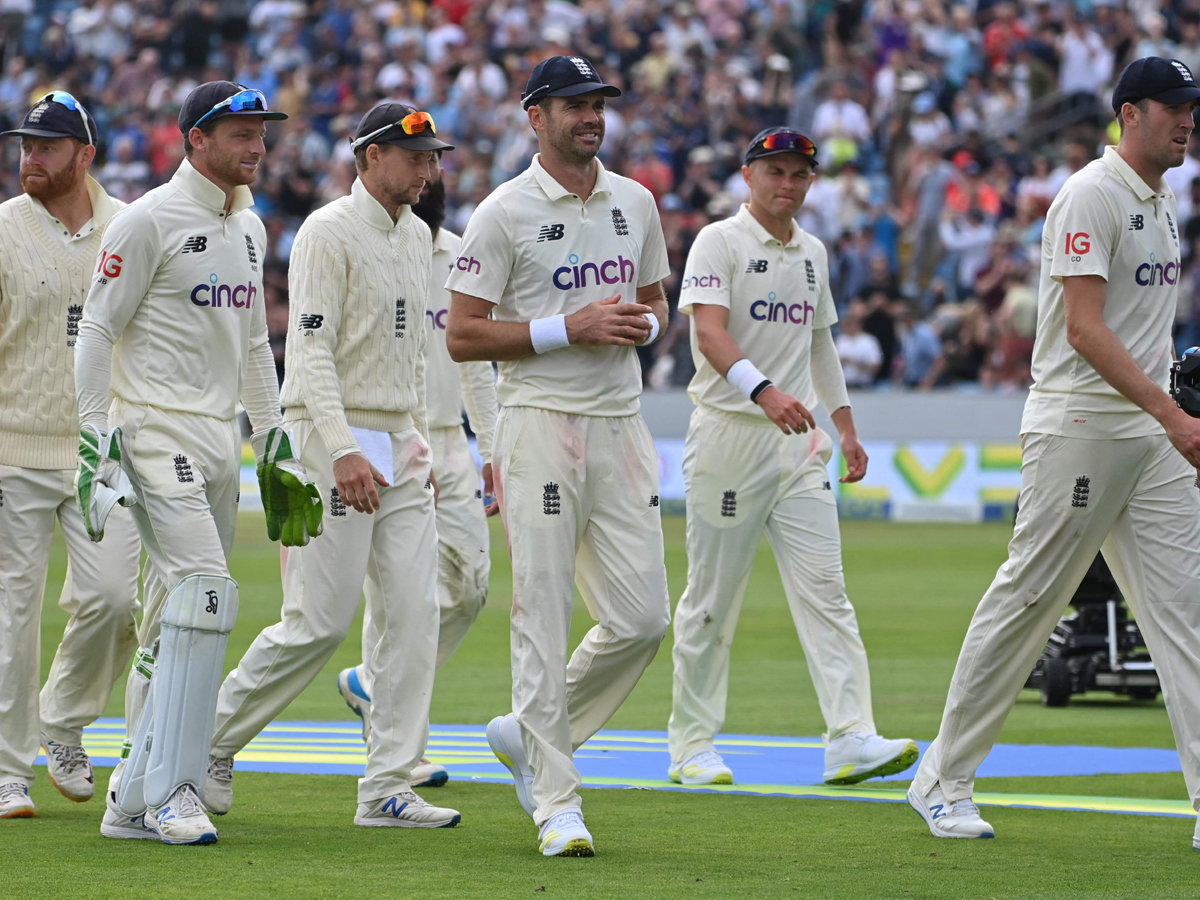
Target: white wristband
745, 377
653, 328
549, 334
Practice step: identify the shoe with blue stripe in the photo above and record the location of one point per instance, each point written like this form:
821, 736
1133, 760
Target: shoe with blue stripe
118, 825
566, 835
405, 810
860, 755
181, 820
705, 767
949, 818
351, 688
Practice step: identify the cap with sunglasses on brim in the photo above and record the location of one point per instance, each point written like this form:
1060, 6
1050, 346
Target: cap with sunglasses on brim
218, 99
390, 122
564, 76
780, 139
1155, 78
57, 115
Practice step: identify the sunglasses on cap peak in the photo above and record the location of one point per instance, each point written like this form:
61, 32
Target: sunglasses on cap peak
70, 102
242, 101
790, 141
412, 124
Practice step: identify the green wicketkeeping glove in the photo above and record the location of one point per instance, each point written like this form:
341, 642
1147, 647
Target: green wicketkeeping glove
100, 484
292, 502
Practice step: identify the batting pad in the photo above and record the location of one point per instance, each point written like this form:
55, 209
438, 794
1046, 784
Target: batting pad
175, 732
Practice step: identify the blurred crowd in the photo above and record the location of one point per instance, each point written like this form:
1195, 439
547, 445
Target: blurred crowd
944, 129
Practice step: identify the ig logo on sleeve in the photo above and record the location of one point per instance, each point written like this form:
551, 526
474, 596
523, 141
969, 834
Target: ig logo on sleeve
1078, 245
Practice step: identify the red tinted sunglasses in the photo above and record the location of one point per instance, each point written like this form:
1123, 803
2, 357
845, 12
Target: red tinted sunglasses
796, 143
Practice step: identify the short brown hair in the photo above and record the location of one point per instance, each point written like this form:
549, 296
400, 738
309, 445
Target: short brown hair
207, 128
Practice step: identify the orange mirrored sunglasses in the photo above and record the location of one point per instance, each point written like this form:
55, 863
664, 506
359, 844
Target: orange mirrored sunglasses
796, 143
415, 123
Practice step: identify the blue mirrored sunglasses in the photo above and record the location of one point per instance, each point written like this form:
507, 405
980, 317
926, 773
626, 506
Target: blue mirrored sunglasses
239, 102
70, 103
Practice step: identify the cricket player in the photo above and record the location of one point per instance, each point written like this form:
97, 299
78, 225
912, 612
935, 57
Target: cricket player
558, 277
354, 392
757, 288
463, 562
49, 239
174, 332
1108, 460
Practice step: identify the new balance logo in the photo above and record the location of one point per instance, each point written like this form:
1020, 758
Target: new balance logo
937, 811
1079, 497
400, 318
1137, 223
74, 314
337, 506
183, 469
550, 500
653, 500
311, 322
478, 495
197, 244
757, 266
620, 226
393, 807
550, 233
212, 602
826, 486
729, 504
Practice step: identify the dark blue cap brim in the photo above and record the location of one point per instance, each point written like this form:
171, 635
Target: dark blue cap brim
1177, 95
574, 90
42, 133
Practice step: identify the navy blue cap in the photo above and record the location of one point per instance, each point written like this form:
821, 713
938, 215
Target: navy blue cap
564, 76
384, 124
1155, 78
203, 102
58, 115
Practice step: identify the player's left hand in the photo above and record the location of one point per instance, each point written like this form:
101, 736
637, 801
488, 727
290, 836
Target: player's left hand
291, 502
856, 460
489, 492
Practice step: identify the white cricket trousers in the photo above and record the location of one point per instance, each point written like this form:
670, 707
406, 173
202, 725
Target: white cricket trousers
186, 470
744, 476
322, 585
1135, 499
463, 561
100, 595
579, 497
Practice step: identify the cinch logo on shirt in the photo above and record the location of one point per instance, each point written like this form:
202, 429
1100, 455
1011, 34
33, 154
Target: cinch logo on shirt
771, 311
1152, 273
702, 281
437, 319
576, 275
471, 266
215, 294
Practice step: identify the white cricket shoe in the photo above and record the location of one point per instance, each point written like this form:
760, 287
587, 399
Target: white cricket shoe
351, 688
405, 810
565, 835
504, 737
428, 774
946, 818
181, 820
860, 755
705, 767
118, 825
15, 802
218, 787
70, 770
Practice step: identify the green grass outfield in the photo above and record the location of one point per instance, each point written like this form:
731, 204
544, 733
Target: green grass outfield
914, 586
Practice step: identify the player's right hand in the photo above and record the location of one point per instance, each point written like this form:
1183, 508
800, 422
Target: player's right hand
290, 501
1184, 434
609, 321
786, 411
100, 483
356, 478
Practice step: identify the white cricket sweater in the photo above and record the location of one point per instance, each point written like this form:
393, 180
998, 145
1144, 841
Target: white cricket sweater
44, 279
358, 284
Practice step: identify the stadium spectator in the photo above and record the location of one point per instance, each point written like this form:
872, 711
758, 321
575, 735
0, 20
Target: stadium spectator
921, 359
859, 352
